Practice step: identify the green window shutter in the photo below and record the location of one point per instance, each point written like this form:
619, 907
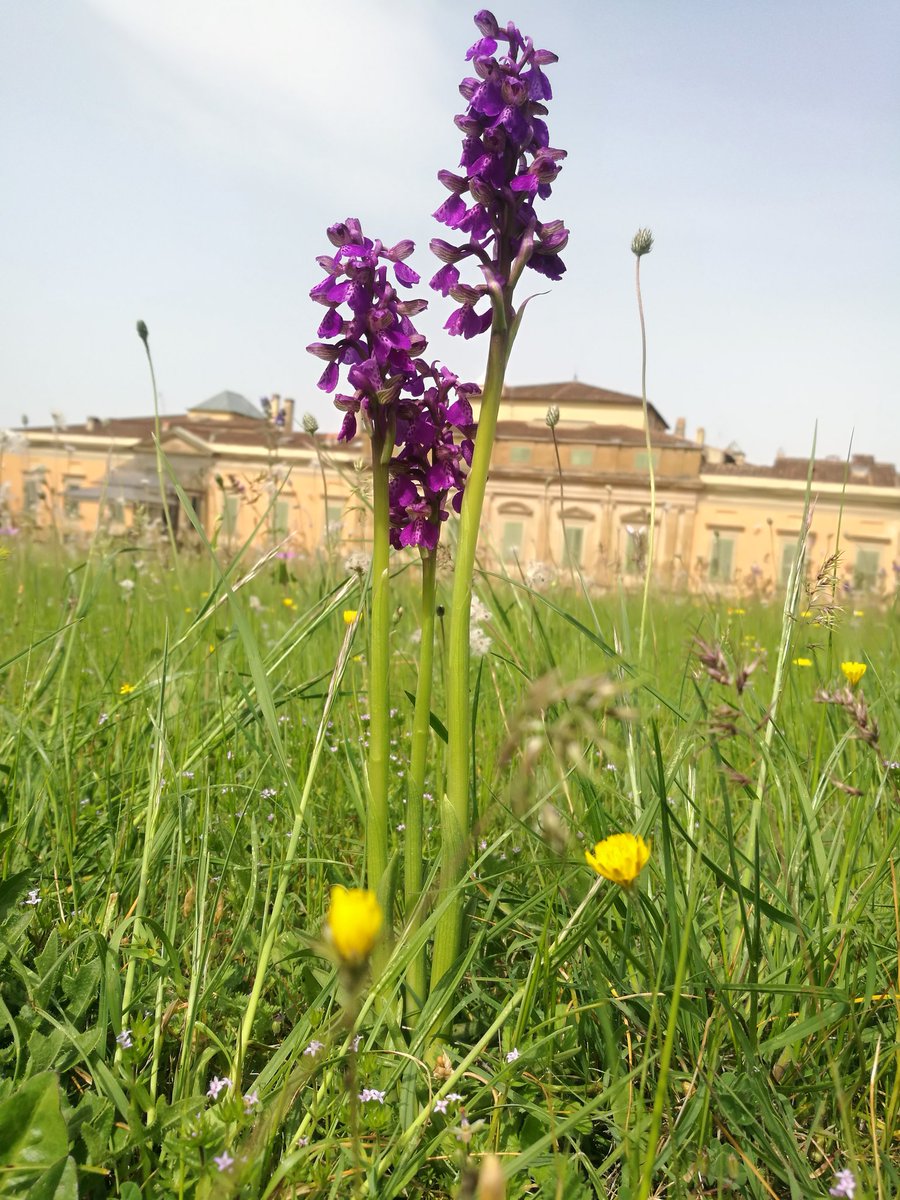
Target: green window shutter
512, 540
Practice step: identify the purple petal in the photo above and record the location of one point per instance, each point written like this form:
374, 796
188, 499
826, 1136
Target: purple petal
329, 378
445, 279
331, 324
405, 275
451, 212
348, 428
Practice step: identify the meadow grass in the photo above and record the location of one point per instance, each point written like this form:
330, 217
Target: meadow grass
182, 765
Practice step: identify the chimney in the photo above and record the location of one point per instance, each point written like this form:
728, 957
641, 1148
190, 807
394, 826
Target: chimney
700, 436
275, 401
287, 407
680, 427
93, 424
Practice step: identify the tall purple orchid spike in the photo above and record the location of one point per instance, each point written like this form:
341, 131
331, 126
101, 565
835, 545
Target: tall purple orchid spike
507, 164
376, 339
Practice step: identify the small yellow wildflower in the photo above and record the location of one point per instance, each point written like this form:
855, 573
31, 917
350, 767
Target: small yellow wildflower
288, 602
350, 615
211, 648
620, 858
807, 612
353, 923
802, 662
737, 612
859, 612
853, 672
126, 688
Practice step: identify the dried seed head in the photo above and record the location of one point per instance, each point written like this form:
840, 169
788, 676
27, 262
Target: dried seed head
552, 417
642, 242
310, 424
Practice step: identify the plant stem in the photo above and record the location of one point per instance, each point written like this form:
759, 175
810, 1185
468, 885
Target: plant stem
415, 847
379, 661
455, 815
651, 531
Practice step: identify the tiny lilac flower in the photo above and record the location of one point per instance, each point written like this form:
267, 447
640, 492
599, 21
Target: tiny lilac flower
251, 1100
844, 1185
224, 1161
355, 1044
33, 898
124, 1039
454, 1096
217, 1085
313, 1048
368, 1094
302, 1141
512, 1055
440, 1106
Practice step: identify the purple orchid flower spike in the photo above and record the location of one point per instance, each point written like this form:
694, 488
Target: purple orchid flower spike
507, 165
437, 431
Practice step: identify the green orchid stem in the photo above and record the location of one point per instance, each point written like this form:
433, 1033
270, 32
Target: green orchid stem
379, 662
455, 809
415, 846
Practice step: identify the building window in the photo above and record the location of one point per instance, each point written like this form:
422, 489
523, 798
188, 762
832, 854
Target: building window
280, 518
635, 549
512, 540
71, 504
520, 454
230, 510
786, 561
642, 462
865, 569
582, 456
334, 516
574, 535
116, 511
721, 559
33, 492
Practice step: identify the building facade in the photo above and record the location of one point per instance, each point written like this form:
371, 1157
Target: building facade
575, 498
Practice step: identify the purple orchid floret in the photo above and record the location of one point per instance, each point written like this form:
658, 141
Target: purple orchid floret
508, 164
430, 468
377, 343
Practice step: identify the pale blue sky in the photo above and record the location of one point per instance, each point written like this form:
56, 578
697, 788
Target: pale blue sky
179, 160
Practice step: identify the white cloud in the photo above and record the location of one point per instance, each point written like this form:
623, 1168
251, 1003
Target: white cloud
285, 86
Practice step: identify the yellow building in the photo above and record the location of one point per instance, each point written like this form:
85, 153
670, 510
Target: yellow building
579, 500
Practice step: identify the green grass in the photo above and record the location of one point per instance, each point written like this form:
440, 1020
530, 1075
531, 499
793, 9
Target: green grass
728, 1027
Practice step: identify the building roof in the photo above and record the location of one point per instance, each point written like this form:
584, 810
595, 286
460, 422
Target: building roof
589, 433
575, 392
229, 402
862, 470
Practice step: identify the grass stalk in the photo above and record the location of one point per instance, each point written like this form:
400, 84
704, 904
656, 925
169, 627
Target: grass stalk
416, 979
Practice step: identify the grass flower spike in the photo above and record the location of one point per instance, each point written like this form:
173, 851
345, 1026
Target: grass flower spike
619, 858
853, 672
353, 924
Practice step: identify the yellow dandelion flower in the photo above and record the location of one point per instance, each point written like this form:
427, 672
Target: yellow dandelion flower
802, 662
353, 924
288, 602
859, 612
350, 615
737, 612
620, 858
126, 688
853, 672
807, 612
